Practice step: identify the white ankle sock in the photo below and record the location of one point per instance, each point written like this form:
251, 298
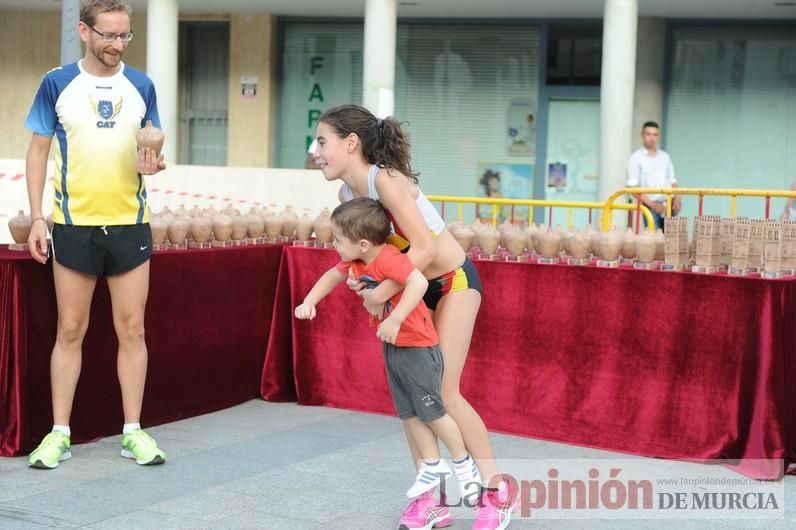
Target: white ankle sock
64, 429
130, 427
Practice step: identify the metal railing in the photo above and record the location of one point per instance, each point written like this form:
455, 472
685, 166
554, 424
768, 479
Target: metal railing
495, 203
733, 194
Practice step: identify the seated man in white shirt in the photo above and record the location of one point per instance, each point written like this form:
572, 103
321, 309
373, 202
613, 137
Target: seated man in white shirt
650, 167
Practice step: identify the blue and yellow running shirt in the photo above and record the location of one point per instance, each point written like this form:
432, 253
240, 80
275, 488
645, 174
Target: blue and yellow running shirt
94, 120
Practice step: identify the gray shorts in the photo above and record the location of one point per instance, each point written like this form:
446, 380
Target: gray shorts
415, 377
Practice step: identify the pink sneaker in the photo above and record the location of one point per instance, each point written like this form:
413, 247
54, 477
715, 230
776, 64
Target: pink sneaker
424, 512
494, 510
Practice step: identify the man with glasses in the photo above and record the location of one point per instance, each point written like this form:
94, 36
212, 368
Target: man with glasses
94, 108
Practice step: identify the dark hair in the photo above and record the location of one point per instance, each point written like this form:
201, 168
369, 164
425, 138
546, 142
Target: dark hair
383, 141
650, 124
89, 9
362, 218
486, 177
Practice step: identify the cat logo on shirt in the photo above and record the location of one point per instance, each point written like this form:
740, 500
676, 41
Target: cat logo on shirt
105, 110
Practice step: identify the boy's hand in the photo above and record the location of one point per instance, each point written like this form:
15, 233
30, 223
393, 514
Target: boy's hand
368, 297
305, 311
388, 330
377, 310
354, 283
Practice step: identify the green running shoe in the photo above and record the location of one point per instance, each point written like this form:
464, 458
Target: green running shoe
143, 448
53, 449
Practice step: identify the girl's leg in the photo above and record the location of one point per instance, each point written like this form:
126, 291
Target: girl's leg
454, 320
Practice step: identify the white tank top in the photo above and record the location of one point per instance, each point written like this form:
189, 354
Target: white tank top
430, 214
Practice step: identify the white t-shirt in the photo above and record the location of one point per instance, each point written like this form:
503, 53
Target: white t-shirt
650, 171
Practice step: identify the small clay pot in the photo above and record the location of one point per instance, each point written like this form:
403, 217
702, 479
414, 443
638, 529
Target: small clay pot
273, 225
19, 226
304, 228
159, 229
547, 243
255, 225
579, 245
645, 247
201, 227
222, 227
515, 241
610, 245
240, 227
322, 226
178, 230
150, 136
289, 220
629, 244
488, 240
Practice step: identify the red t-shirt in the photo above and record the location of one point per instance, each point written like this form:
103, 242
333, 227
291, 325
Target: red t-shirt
390, 264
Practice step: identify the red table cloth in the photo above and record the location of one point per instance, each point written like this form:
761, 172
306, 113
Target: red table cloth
207, 323
672, 365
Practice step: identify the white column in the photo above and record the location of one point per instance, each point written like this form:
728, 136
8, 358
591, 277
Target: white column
378, 77
648, 103
162, 22
616, 96
71, 50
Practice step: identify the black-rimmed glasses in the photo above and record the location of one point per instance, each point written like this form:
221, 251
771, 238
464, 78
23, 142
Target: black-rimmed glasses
110, 37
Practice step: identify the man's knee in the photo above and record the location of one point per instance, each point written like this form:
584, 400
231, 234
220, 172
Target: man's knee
130, 328
71, 330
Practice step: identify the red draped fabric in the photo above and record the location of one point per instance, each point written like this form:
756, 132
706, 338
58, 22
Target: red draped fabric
672, 365
207, 323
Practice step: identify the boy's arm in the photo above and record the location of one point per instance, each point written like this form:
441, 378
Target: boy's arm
330, 279
415, 288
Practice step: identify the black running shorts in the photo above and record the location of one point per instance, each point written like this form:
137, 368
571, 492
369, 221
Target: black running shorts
102, 250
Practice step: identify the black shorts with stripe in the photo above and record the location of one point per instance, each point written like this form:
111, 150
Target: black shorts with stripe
102, 250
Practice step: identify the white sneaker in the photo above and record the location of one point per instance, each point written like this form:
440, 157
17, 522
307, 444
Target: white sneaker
429, 477
468, 476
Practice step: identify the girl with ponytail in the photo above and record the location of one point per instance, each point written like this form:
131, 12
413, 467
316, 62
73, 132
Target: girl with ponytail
371, 156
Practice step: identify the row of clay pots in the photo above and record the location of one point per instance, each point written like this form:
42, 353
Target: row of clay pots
223, 227
202, 225
286, 224
549, 242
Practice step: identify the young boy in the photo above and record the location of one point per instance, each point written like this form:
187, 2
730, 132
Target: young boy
411, 345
